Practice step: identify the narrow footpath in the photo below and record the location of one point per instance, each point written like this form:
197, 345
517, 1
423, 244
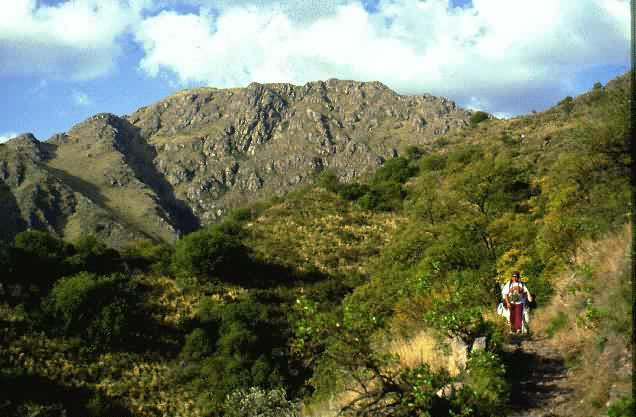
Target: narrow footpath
537, 374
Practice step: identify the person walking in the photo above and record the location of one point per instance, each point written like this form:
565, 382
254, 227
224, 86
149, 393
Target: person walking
516, 296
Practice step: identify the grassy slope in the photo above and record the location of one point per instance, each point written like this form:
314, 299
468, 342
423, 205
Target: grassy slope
589, 323
315, 229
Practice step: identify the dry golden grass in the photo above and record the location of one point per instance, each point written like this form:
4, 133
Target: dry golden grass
427, 347
174, 305
321, 231
607, 258
598, 358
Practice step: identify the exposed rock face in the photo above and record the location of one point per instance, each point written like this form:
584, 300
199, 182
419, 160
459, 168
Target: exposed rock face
184, 161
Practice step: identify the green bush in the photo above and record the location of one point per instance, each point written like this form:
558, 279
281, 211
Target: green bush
7, 263
256, 402
93, 256
353, 191
149, 255
232, 350
557, 323
567, 104
198, 345
433, 162
419, 389
394, 170
97, 308
101, 405
329, 181
211, 253
383, 196
485, 391
39, 259
624, 407
478, 117
413, 153
240, 215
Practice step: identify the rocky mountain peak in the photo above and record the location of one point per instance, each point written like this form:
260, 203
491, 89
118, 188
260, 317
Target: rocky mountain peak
27, 144
187, 159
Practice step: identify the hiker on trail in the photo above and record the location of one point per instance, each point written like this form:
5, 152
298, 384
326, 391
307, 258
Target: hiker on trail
516, 296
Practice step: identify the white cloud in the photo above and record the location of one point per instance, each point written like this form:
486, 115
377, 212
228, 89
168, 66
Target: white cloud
81, 99
505, 55
74, 39
7, 136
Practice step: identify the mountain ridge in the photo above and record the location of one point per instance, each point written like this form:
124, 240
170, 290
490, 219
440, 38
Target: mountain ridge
185, 160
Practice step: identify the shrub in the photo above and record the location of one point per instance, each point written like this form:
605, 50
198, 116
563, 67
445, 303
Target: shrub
433, 162
198, 345
94, 307
240, 215
93, 256
460, 311
557, 323
353, 191
567, 104
210, 253
257, 402
384, 196
624, 407
329, 181
7, 262
146, 254
478, 117
73, 298
101, 405
413, 153
232, 350
394, 170
39, 258
485, 391
41, 245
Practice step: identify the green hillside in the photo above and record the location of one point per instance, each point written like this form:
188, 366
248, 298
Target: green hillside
327, 299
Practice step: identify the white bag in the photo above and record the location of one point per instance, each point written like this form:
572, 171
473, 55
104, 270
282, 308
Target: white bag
503, 311
525, 320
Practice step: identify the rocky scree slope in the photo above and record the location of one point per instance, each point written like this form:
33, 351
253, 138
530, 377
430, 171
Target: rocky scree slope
186, 160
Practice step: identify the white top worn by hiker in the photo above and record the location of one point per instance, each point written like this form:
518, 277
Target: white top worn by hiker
512, 289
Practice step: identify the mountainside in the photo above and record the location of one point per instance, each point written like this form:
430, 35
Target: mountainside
184, 161
359, 298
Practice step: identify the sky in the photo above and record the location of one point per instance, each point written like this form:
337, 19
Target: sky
62, 61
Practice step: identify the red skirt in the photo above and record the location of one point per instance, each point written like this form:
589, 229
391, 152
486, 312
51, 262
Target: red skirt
516, 316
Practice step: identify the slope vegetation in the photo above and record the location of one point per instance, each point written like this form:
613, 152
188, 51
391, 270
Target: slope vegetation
337, 295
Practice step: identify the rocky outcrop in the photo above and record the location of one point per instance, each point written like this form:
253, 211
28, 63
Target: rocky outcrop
224, 148
189, 158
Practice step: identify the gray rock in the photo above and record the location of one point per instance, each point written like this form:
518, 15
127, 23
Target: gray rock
479, 344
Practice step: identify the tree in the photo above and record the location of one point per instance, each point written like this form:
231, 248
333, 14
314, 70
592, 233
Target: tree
99, 308
478, 117
39, 259
394, 170
209, 253
94, 256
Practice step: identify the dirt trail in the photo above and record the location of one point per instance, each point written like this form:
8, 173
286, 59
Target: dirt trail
538, 377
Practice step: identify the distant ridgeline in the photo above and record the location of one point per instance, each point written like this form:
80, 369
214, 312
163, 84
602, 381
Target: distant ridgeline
185, 161
318, 225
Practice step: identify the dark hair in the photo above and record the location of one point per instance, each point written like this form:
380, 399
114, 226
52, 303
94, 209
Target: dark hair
515, 274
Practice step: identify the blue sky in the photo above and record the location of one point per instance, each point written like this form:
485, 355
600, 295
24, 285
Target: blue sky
64, 60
